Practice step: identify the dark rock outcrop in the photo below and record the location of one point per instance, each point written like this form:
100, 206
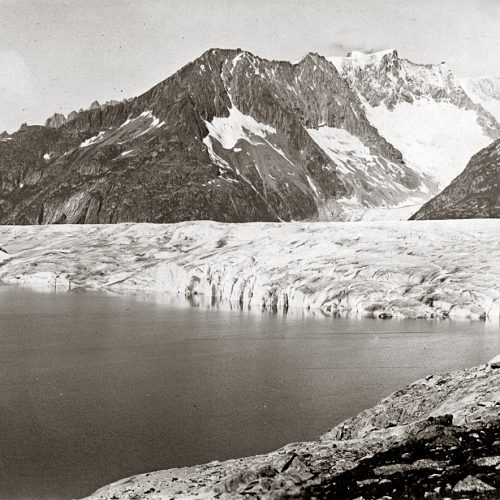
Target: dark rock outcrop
56, 120
439, 462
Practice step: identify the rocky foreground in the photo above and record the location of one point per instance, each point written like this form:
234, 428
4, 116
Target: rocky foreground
437, 438
418, 269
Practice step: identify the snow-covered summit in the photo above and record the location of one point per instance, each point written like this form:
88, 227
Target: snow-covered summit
359, 60
385, 78
422, 109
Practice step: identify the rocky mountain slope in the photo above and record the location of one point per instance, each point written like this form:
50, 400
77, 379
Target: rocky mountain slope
233, 137
474, 193
421, 109
229, 137
437, 438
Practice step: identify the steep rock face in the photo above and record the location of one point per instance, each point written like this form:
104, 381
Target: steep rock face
474, 193
56, 120
229, 137
421, 109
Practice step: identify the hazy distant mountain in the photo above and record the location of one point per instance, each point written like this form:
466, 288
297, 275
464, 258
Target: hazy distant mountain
234, 137
474, 193
422, 110
484, 91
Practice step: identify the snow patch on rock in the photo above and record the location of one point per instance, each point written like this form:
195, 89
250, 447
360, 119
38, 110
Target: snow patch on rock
229, 130
340, 146
93, 140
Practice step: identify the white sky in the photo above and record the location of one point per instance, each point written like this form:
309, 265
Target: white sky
59, 55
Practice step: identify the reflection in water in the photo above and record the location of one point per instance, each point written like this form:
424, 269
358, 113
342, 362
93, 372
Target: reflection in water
212, 302
99, 386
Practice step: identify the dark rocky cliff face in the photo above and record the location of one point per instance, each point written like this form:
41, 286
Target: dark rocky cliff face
474, 193
225, 138
56, 120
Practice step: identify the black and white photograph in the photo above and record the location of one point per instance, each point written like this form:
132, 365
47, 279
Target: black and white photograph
249, 249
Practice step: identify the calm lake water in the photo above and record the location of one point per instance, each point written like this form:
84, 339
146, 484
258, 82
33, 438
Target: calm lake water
95, 387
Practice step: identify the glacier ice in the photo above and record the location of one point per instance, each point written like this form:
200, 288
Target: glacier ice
382, 269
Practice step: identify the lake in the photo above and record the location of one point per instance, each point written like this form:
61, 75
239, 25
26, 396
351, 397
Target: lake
95, 387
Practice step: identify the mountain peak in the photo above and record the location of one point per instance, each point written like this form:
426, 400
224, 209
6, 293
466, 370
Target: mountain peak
371, 57
221, 53
56, 120
360, 60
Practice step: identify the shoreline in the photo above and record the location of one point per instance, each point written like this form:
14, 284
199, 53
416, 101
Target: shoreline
417, 269
182, 300
443, 430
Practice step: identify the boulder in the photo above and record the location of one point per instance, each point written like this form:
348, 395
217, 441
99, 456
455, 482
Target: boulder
495, 362
487, 461
472, 484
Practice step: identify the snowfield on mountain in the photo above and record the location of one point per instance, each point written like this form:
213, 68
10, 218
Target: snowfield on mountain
427, 133
382, 269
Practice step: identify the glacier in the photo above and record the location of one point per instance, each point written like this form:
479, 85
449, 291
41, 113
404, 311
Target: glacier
417, 269
436, 138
